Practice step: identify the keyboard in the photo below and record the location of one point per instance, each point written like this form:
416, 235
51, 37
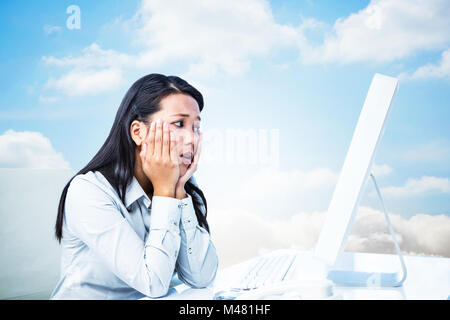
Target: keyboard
283, 274
266, 270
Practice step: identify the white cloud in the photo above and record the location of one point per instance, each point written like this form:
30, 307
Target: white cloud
81, 82
432, 151
415, 187
272, 191
422, 234
285, 181
253, 234
29, 150
210, 37
48, 99
440, 70
381, 170
385, 30
94, 71
93, 56
210, 34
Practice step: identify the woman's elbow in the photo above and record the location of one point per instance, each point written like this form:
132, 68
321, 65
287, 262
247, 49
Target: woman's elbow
156, 287
204, 282
158, 292
203, 278
198, 282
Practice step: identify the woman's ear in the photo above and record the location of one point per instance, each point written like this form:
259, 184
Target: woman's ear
138, 131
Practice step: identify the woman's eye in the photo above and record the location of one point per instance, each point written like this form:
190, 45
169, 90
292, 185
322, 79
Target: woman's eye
181, 124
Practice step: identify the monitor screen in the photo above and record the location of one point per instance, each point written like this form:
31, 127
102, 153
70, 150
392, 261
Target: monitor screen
356, 169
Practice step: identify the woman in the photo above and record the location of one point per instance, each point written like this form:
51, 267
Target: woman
134, 217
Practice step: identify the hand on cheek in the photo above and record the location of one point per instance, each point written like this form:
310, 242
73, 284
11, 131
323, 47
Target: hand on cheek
179, 188
159, 158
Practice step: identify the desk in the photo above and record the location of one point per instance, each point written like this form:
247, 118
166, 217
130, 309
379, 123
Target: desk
428, 278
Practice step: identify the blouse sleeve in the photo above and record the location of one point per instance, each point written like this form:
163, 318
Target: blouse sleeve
197, 261
94, 217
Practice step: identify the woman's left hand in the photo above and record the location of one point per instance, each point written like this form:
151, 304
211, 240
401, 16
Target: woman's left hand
180, 193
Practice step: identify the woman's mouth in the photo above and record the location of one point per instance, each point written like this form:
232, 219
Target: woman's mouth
186, 158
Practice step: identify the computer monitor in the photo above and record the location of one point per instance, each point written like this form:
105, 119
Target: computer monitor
356, 169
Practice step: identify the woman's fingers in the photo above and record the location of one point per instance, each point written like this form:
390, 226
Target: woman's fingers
197, 153
145, 146
165, 153
157, 152
143, 151
151, 139
199, 145
194, 164
173, 148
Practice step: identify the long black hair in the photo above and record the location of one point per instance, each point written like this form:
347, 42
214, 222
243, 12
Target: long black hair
116, 158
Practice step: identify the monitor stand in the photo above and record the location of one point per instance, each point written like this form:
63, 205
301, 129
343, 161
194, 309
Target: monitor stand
372, 279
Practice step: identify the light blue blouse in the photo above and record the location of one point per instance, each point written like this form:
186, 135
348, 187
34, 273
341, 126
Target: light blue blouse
112, 250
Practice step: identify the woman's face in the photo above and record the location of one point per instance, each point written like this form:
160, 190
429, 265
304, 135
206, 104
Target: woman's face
182, 113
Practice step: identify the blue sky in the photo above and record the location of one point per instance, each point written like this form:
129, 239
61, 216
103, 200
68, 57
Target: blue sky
301, 67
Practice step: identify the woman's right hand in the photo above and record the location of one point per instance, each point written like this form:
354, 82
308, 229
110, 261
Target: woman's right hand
159, 159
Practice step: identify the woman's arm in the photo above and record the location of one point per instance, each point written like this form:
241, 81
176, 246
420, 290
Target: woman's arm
93, 216
197, 261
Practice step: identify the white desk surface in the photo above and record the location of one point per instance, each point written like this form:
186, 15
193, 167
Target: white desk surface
428, 278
